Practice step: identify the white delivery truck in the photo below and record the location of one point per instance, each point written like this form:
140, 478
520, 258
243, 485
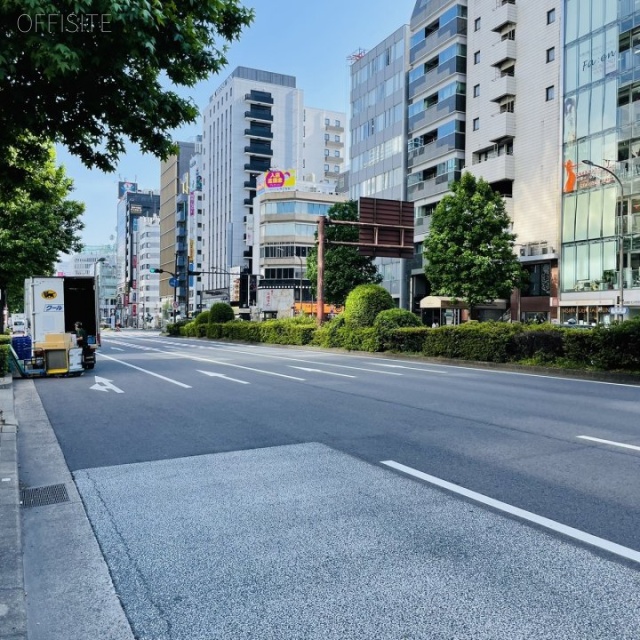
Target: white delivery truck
53, 306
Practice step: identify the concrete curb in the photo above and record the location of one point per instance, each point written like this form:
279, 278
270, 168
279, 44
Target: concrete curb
13, 617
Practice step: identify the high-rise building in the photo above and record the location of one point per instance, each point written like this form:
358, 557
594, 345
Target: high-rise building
600, 264
378, 138
132, 206
436, 118
514, 98
256, 121
147, 313
174, 248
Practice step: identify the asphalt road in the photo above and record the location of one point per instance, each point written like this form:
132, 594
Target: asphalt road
251, 491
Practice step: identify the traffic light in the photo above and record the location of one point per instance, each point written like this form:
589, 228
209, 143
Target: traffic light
156, 270
194, 273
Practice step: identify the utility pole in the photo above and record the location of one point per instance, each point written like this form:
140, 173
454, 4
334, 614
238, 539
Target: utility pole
175, 288
321, 232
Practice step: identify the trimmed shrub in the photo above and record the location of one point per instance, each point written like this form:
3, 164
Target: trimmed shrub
4, 359
242, 330
359, 339
202, 317
543, 343
406, 339
617, 347
177, 328
328, 335
221, 312
364, 303
288, 331
389, 320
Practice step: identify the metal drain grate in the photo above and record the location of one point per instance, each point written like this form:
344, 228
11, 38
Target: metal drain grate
40, 496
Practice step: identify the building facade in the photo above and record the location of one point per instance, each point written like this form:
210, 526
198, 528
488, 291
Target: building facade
378, 152
514, 98
148, 313
436, 116
256, 121
600, 266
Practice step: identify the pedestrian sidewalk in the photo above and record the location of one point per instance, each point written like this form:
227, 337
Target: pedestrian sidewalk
13, 620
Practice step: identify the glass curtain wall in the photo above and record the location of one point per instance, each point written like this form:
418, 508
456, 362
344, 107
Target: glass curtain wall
602, 125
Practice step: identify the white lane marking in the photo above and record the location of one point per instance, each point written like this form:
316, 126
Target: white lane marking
329, 373
611, 442
221, 375
576, 534
401, 366
151, 373
117, 349
103, 384
229, 364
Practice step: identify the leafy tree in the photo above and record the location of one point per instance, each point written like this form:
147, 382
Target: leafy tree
344, 267
87, 75
221, 312
38, 223
469, 250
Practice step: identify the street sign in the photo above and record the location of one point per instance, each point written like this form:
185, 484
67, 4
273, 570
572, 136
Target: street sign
176, 305
173, 282
619, 311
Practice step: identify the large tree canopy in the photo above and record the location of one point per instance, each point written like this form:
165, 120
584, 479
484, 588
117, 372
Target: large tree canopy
469, 250
37, 223
344, 267
88, 75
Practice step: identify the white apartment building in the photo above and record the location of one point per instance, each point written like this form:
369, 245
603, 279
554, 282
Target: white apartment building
378, 151
514, 132
256, 121
147, 311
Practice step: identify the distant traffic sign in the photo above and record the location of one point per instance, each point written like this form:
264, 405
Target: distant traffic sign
619, 311
176, 305
173, 282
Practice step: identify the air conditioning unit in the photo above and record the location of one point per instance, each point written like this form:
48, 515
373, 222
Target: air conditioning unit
523, 252
545, 250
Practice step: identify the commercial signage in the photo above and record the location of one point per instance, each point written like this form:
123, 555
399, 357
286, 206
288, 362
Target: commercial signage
127, 187
276, 180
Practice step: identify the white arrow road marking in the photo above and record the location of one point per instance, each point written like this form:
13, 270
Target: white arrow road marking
221, 375
151, 373
576, 534
102, 384
329, 373
401, 366
611, 442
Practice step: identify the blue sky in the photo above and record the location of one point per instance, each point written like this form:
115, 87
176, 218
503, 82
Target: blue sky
309, 40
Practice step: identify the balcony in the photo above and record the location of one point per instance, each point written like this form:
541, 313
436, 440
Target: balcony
433, 150
259, 97
259, 115
250, 184
259, 150
431, 187
435, 40
332, 144
499, 126
248, 202
502, 16
502, 52
437, 112
437, 75
258, 132
334, 127
257, 167
496, 168
502, 87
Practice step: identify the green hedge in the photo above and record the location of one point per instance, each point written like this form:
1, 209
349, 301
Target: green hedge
221, 312
605, 348
364, 303
4, 358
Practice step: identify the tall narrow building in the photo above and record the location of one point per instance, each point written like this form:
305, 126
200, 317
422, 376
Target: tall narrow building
514, 98
256, 121
436, 118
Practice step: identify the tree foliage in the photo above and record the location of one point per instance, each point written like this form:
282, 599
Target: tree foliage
88, 75
344, 267
37, 223
469, 252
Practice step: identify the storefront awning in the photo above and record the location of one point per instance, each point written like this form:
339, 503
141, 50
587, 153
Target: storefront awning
444, 302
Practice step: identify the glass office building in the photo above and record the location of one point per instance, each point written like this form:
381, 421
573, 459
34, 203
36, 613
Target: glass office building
600, 261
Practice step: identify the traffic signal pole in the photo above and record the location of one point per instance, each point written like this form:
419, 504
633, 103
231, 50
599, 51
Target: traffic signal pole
320, 287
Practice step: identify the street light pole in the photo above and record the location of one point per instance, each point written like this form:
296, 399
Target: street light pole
96, 284
619, 234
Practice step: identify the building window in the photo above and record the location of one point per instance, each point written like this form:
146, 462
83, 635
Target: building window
476, 91
476, 24
476, 57
326, 152
326, 167
551, 16
327, 122
336, 154
337, 139
550, 93
336, 168
551, 54
337, 123
326, 137
476, 124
